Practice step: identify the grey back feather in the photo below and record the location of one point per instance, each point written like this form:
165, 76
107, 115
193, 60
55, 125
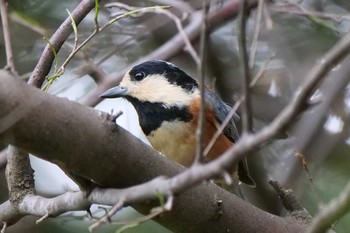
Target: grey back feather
221, 110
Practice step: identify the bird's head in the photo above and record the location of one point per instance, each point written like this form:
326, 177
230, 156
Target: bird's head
156, 82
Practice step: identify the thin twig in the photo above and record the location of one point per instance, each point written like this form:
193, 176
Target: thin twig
10, 64
267, 17
120, 5
227, 178
40, 220
308, 174
261, 71
246, 104
256, 33
221, 128
58, 38
18, 18
201, 66
304, 12
331, 212
97, 30
108, 216
182, 6
189, 48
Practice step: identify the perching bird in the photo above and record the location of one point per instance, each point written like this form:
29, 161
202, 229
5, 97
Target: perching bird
167, 101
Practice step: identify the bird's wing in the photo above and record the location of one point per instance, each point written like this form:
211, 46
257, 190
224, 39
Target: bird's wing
221, 110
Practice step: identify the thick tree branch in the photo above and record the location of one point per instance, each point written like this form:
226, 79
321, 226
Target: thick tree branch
19, 175
118, 158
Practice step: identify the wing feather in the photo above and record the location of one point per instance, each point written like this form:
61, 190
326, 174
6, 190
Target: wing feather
221, 111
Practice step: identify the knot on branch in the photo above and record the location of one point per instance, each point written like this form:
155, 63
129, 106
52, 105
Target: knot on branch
291, 203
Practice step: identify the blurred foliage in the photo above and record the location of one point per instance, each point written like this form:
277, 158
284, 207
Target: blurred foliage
294, 44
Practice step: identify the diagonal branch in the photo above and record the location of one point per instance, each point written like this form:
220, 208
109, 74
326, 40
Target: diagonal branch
43, 67
331, 212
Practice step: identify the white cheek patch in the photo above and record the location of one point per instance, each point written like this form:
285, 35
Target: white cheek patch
156, 88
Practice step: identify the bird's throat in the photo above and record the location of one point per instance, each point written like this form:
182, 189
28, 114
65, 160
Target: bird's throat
153, 115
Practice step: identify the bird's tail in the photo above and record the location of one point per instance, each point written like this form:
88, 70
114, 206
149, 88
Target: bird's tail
243, 173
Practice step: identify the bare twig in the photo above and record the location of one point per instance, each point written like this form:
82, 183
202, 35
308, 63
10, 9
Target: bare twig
331, 212
304, 12
267, 17
182, 6
153, 213
221, 128
261, 71
58, 38
228, 178
308, 174
246, 104
201, 66
188, 44
256, 33
97, 30
46, 216
177, 21
121, 6
25, 23
10, 64
107, 218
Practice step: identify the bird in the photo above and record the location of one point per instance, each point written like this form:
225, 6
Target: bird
167, 101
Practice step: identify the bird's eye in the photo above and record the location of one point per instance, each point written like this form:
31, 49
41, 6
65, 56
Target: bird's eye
139, 76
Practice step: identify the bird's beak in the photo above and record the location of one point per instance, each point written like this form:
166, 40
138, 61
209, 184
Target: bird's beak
115, 92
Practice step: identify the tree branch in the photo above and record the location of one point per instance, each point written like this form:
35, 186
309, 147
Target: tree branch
201, 67
121, 157
247, 120
331, 212
43, 67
